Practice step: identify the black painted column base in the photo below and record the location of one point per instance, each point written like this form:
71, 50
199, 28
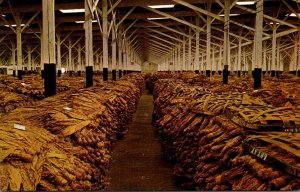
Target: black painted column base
207, 72
120, 74
197, 71
213, 73
220, 72
20, 74
105, 74
257, 78
79, 73
89, 76
124, 72
114, 75
14, 73
59, 73
49, 79
273, 73
239, 73
43, 73
225, 75
298, 73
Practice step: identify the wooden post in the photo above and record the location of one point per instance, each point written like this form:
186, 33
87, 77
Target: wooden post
19, 46
208, 41
70, 67
258, 46
226, 42
190, 50
196, 60
264, 66
120, 54
105, 40
220, 59
88, 44
183, 57
239, 55
273, 64
79, 59
178, 58
58, 49
114, 54
48, 37
29, 66
298, 63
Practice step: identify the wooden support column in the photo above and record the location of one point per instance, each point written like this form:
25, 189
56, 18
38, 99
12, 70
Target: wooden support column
89, 62
208, 42
298, 63
264, 65
258, 45
49, 59
124, 57
196, 60
19, 46
183, 56
273, 64
226, 41
239, 57
114, 54
79, 61
244, 61
58, 50
29, 66
220, 59
70, 65
178, 58
105, 40
190, 50
278, 58
120, 54
213, 67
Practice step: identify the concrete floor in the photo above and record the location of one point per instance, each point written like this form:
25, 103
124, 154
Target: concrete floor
136, 160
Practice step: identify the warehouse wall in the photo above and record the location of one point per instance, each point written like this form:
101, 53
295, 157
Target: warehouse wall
149, 67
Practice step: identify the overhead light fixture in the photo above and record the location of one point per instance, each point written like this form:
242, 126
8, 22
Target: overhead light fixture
3, 15
245, 3
72, 10
161, 6
14, 25
93, 21
273, 23
232, 14
157, 18
293, 15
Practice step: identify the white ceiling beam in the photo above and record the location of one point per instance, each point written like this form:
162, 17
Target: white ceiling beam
127, 14
168, 28
171, 43
166, 35
267, 17
199, 9
174, 18
124, 32
114, 6
29, 21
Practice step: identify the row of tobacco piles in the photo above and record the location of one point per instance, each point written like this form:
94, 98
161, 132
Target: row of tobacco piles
66, 144
229, 137
15, 93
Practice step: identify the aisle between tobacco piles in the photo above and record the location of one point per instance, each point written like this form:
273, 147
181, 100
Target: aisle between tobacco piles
137, 164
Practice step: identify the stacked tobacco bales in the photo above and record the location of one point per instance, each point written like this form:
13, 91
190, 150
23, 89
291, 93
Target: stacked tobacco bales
201, 133
9, 101
68, 137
